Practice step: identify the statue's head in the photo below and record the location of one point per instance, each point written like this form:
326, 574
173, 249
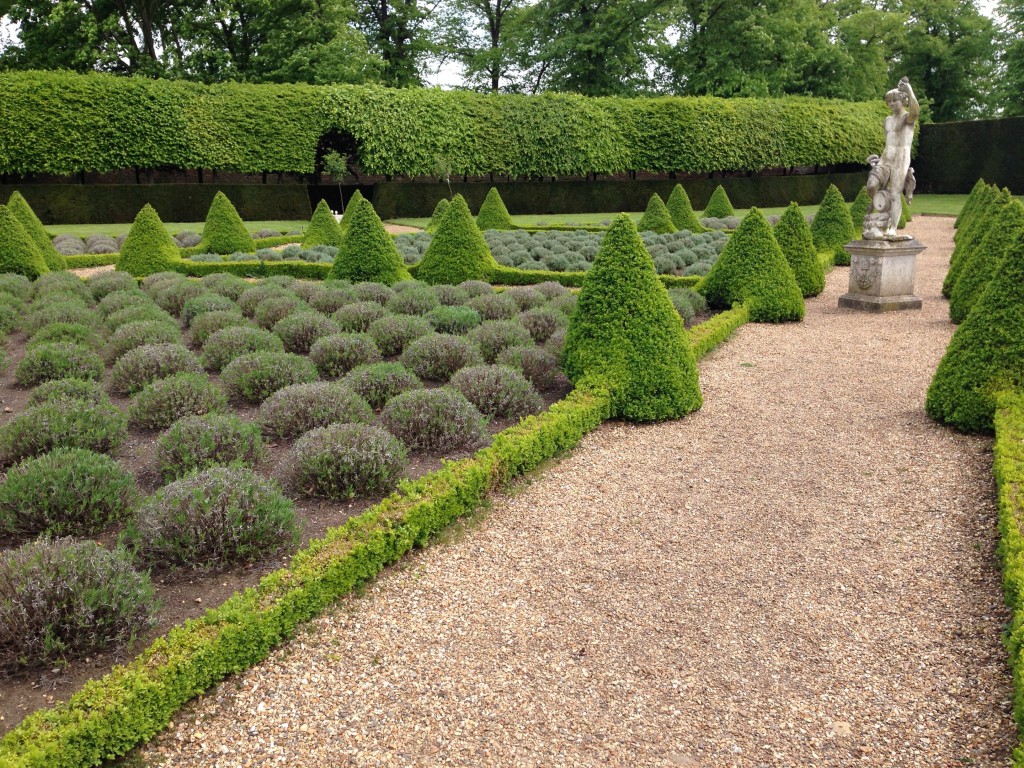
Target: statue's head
896, 96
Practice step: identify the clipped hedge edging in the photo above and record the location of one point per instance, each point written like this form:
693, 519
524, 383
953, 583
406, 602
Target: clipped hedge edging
83, 260
712, 332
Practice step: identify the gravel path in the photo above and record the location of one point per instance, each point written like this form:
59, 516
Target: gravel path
801, 574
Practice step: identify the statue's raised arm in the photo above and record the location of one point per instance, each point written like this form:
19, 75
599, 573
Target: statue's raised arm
890, 171
913, 108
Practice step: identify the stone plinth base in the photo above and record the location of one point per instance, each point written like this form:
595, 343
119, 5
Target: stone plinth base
882, 275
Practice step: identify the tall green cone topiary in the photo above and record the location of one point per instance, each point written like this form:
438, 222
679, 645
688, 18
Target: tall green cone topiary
656, 218
148, 248
457, 251
752, 270
626, 334
367, 253
969, 203
984, 261
905, 215
859, 209
718, 206
323, 228
971, 232
681, 211
986, 353
493, 213
794, 238
224, 231
19, 206
18, 252
353, 203
439, 212
832, 227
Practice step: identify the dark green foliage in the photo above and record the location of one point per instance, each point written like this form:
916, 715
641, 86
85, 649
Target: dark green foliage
234, 341
163, 402
201, 442
323, 228
353, 203
65, 599
61, 390
67, 492
300, 330
148, 249
439, 212
437, 356
794, 238
367, 253
457, 320
295, 410
392, 333
657, 218
255, 376
18, 253
341, 461
57, 360
224, 231
497, 390
458, 251
970, 202
493, 213
719, 206
74, 333
971, 233
986, 354
377, 383
34, 228
681, 210
859, 209
539, 366
99, 427
212, 519
832, 227
336, 355
434, 420
133, 335
142, 365
492, 336
983, 262
626, 334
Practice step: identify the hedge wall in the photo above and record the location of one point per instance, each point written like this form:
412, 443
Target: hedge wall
953, 156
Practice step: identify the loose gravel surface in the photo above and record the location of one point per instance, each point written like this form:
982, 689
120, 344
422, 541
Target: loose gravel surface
801, 574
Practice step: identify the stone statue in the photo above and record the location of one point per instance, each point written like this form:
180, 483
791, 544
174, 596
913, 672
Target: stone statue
891, 173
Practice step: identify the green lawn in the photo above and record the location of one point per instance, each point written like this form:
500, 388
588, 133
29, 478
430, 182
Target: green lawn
84, 230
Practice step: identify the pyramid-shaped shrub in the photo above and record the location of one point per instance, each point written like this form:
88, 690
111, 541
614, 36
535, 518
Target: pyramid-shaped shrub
794, 238
681, 211
859, 209
367, 253
18, 252
969, 217
986, 353
148, 248
19, 206
323, 228
224, 231
969, 203
493, 213
752, 270
832, 227
718, 206
905, 214
971, 233
985, 260
656, 218
458, 251
353, 203
626, 334
439, 211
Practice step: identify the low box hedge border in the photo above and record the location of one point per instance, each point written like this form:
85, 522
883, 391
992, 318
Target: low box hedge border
83, 260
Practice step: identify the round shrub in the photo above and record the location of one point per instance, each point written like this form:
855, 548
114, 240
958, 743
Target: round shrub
526, 297
476, 288
270, 311
105, 283
539, 366
392, 333
172, 295
565, 304
69, 245
140, 333
150, 283
252, 297
556, 343
345, 460
138, 314
58, 360
434, 420
379, 382
69, 491
16, 285
208, 323
230, 343
10, 318
450, 295
188, 239
542, 322
550, 289
118, 300
163, 402
71, 333
330, 298
336, 355
142, 365
40, 317
415, 300
358, 316
295, 410
498, 306
61, 282
227, 285
255, 376
301, 330
497, 390
205, 302
200, 442
454, 320
66, 599
211, 519
437, 356
60, 390
370, 291
495, 335
99, 427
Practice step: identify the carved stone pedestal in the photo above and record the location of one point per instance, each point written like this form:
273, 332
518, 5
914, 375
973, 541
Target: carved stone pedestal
882, 275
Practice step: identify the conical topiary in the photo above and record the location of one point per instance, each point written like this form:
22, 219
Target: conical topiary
439, 211
493, 213
626, 334
986, 353
148, 248
19, 206
353, 203
859, 209
681, 211
978, 202
656, 218
794, 238
323, 228
832, 227
224, 231
752, 270
905, 216
984, 261
367, 253
718, 206
971, 232
457, 251
18, 252
969, 203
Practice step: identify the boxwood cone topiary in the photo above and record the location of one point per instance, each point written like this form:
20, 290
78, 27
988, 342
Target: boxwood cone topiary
969, 203
986, 353
905, 215
457, 251
681, 211
323, 228
439, 213
18, 253
832, 227
656, 218
859, 209
55, 260
626, 335
794, 237
224, 231
971, 233
367, 253
752, 270
985, 260
353, 203
148, 248
493, 213
718, 206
